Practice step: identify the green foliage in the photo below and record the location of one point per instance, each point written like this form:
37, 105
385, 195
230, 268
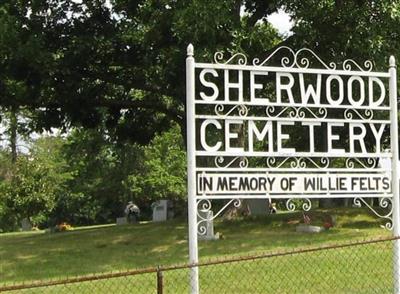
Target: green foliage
88, 64
88, 178
122, 66
7, 219
30, 191
97, 192
32, 185
163, 174
347, 29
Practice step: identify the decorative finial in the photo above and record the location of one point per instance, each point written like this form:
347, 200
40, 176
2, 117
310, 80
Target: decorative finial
190, 50
392, 61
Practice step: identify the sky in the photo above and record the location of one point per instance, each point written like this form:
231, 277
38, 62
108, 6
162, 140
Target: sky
281, 21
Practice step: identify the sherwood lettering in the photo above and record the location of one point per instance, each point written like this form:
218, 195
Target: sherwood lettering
358, 90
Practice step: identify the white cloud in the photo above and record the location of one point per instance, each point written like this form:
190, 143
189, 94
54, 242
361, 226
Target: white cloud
281, 21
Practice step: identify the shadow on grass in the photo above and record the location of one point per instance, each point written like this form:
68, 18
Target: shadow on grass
361, 224
105, 248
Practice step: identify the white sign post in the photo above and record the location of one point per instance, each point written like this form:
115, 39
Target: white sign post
394, 139
296, 131
191, 172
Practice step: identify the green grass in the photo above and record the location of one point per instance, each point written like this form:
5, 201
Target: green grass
39, 255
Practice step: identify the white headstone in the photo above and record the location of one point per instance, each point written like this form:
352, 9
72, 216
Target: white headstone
121, 221
160, 211
26, 225
209, 225
303, 228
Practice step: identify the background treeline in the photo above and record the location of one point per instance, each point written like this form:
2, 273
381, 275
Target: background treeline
86, 178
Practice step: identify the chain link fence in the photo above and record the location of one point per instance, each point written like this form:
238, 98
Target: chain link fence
357, 267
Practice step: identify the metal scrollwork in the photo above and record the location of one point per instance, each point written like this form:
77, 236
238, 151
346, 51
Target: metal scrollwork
307, 204
369, 163
320, 114
242, 161
349, 63
241, 109
291, 206
204, 206
299, 162
368, 114
304, 62
383, 203
294, 112
285, 61
240, 57
272, 162
323, 162
294, 59
299, 62
270, 112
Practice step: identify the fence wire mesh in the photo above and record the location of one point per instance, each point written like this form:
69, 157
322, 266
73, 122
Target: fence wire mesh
361, 267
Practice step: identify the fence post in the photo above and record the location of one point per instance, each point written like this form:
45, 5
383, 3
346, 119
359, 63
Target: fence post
160, 281
395, 171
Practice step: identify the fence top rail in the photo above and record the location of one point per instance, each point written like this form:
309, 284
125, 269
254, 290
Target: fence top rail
78, 279
225, 260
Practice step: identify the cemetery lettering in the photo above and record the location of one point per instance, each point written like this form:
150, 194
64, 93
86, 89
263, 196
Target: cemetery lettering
296, 93
279, 183
274, 131
286, 83
309, 95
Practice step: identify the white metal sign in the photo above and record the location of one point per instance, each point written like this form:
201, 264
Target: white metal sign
277, 185
304, 129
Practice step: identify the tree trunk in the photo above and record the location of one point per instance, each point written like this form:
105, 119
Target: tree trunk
13, 134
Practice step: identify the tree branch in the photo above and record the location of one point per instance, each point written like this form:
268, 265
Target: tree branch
130, 104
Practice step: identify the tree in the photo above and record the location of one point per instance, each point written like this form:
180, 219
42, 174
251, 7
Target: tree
338, 29
122, 65
8, 220
16, 132
97, 192
31, 186
163, 172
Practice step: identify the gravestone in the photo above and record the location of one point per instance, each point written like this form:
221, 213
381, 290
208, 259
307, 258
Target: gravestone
208, 224
303, 228
26, 225
121, 221
160, 211
258, 206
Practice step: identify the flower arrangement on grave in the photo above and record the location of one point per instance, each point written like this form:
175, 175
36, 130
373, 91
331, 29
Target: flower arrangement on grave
329, 222
63, 227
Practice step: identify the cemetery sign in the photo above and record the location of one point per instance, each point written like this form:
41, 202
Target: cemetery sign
301, 129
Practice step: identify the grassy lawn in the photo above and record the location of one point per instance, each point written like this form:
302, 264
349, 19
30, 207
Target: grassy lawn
39, 255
